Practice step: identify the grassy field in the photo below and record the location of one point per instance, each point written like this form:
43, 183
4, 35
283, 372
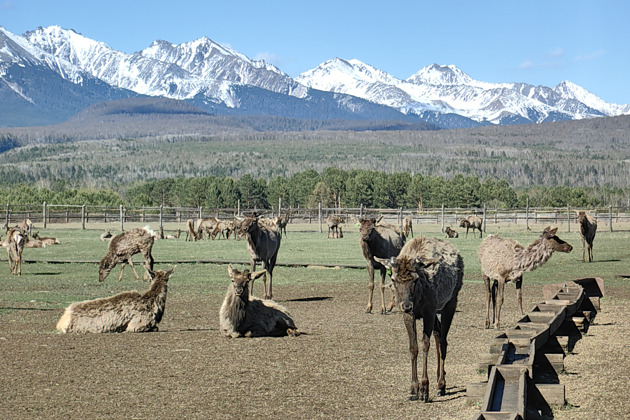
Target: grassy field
48, 375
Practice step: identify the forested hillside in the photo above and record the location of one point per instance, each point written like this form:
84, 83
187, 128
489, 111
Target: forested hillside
116, 150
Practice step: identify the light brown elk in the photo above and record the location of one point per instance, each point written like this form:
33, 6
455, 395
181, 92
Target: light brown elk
263, 243
334, 229
16, 241
408, 226
471, 222
281, 222
124, 312
505, 260
48, 240
26, 226
243, 315
588, 228
206, 226
123, 246
378, 241
427, 276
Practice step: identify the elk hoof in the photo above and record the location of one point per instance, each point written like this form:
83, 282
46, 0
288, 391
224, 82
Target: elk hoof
441, 391
413, 398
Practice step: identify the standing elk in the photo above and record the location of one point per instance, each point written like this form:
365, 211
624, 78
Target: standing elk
124, 312
243, 315
26, 226
427, 276
281, 223
123, 246
16, 241
334, 229
505, 260
588, 228
378, 241
263, 243
408, 226
471, 222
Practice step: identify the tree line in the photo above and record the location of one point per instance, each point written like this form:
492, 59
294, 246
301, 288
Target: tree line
332, 187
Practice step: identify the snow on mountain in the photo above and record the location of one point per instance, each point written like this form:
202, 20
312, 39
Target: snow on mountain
447, 89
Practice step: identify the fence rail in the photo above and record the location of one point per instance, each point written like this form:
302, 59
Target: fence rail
44, 214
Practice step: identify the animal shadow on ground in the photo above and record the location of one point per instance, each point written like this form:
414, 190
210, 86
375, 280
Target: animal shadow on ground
28, 309
310, 299
46, 274
454, 393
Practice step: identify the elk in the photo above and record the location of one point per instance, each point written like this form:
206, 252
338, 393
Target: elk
281, 223
26, 226
16, 241
263, 243
48, 240
408, 226
471, 222
106, 236
123, 246
334, 230
427, 276
378, 241
504, 260
588, 228
450, 233
243, 315
206, 226
124, 312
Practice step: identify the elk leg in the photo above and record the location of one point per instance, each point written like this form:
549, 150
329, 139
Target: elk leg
519, 293
488, 288
590, 252
134, 270
428, 322
410, 323
272, 264
499, 303
583, 248
443, 325
382, 288
122, 266
370, 269
252, 267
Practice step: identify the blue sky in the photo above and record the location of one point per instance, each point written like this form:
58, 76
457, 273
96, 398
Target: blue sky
537, 42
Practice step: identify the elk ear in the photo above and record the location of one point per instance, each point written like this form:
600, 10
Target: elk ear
230, 270
255, 275
386, 262
169, 272
152, 274
551, 231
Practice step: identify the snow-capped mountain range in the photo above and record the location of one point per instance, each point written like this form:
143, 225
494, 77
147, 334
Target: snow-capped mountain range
81, 71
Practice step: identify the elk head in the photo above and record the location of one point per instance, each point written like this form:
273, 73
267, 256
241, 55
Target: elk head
557, 244
241, 279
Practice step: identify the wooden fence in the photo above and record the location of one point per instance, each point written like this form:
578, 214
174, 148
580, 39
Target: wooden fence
45, 214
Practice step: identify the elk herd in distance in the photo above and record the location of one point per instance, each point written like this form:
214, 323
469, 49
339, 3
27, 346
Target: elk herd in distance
426, 276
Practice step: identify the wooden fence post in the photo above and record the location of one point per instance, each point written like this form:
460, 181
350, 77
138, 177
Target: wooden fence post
568, 218
320, 217
161, 216
610, 216
43, 213
121, 219
527, 215
483, 222
442, 217
83, 217
7, 217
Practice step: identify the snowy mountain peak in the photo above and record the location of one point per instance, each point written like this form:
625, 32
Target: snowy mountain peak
436, 74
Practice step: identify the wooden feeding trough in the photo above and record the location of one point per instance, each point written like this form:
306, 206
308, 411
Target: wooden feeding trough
524, 362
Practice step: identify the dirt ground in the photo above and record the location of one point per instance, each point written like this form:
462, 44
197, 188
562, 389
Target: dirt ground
345, 365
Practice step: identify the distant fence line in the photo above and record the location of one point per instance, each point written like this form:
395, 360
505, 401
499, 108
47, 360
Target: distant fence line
44, 214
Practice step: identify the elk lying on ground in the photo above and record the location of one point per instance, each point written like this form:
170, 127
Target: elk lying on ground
263, 243
471, 222
504, 260
243, 315
48, 240
408, 226
427, 276
16, 240
450, 233
588, 228
124, 312
378, 241
334, 229
123, 246
106, 236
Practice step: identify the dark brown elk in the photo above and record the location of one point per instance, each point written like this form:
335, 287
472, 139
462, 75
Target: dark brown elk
263, 243
16, 241
471, 222
427, 276
334, 229
243, 315
588, 228
450, 233
378, 241
123, 246
124, 312
505, 260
